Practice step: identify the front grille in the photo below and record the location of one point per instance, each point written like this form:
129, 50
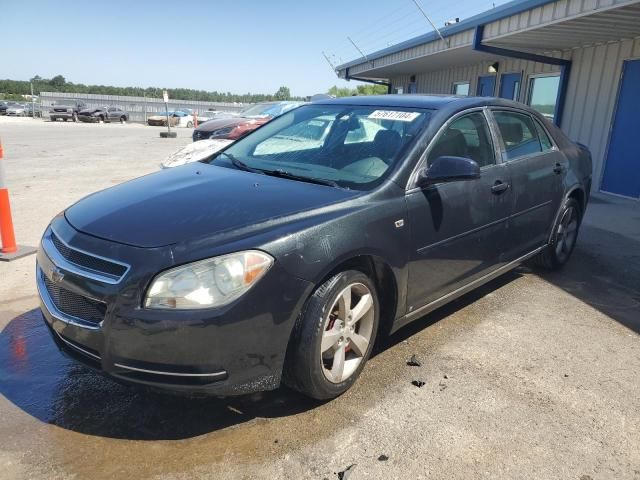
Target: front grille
88, 261
75, 305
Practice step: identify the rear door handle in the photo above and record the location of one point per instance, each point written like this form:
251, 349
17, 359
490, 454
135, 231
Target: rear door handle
499, 187
558, 168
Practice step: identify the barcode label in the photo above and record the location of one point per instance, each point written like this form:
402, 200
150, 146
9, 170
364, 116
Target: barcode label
394, 115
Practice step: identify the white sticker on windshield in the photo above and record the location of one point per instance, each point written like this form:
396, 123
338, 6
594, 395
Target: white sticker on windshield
394, 115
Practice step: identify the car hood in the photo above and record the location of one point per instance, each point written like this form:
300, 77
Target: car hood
194, 201
216, 124
89, 111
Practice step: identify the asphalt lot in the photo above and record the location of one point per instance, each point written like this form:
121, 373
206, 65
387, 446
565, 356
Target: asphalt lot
533, 376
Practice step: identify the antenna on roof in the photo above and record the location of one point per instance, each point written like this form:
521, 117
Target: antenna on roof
430, 22
361, 52
333, 67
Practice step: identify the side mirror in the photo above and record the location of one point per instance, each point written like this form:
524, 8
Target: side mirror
449, 169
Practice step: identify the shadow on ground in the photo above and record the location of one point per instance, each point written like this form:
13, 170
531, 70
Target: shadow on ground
41, 381
604, 272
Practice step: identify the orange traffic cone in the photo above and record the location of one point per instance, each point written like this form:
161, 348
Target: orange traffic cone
9, 251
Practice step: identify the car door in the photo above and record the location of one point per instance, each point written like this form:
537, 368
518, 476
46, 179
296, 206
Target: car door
457, 228
111, 113
536, 168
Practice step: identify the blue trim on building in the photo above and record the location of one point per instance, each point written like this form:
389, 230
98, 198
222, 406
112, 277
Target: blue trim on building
565, 67
498, 13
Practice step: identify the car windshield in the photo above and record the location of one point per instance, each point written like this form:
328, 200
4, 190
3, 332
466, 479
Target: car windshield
350, 146
259, 110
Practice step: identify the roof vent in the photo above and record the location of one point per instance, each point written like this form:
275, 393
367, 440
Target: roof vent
451, 22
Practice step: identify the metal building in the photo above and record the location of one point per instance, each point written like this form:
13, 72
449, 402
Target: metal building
577, 61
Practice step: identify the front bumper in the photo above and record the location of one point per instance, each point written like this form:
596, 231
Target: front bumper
88, 118
236, 349
57, 115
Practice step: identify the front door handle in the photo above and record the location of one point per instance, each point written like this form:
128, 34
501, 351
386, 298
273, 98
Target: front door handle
558, 168
499, 187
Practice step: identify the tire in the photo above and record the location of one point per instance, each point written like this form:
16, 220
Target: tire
346, 335
74, 117
100, 119
563, 237
65, 119
189, 124
123, 119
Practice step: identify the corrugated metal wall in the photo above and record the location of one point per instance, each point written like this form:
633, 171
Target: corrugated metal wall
591, 98
138, 108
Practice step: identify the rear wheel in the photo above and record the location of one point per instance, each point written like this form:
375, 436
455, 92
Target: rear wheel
74, 117
563, 238
334, 336
123, 119
100, 119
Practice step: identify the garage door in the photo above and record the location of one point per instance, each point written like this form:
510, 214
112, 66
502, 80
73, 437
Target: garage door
622, 170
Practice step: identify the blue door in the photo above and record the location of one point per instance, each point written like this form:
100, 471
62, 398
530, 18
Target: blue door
486, 86
510, 86
622, 170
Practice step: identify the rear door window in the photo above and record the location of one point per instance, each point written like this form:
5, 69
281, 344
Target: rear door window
519, 134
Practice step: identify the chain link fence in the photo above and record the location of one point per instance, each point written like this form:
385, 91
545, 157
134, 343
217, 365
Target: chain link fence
138, 108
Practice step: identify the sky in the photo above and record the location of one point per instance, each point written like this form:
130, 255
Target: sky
238, 46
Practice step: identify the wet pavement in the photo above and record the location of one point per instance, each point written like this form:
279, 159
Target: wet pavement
534, 375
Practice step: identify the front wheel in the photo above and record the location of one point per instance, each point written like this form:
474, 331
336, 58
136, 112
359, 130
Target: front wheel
189, 124
563, 237
74, 117
334, 336
123, 119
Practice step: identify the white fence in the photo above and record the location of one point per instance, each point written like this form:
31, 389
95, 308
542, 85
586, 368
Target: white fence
138, 108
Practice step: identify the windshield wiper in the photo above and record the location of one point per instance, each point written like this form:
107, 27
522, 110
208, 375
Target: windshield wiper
239, 164
292, 176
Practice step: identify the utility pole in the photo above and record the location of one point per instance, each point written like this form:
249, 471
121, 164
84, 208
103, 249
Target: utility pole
33, 102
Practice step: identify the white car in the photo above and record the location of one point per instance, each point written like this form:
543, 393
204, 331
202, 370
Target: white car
194, 152
17, 110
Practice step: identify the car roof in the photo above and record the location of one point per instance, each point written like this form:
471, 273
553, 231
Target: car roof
433, 102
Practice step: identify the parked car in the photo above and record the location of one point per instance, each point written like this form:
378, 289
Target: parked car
249, 119
16, 110
194, 152
176, 118
214, 115
103, 114
66, 110
249, 269
5, 105
33, 110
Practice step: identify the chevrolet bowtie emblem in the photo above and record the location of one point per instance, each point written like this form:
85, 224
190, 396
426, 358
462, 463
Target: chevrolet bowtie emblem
56, 275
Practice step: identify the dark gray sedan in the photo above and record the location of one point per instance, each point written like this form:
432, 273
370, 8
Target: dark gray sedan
103, 114
282, 257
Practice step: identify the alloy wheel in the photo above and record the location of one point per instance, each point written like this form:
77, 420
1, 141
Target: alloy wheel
567, 233
348, 329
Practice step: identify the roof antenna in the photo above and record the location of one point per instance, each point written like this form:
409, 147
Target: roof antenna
333, 67
430, 22
361, 52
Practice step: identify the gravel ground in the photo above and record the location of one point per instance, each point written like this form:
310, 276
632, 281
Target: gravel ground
532, 376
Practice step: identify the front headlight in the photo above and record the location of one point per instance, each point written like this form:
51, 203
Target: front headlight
220, 132
208, 283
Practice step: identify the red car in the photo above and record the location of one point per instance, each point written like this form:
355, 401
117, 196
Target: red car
232, 128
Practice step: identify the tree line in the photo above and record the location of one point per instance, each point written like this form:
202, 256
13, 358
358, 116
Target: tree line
60, 84
13, 88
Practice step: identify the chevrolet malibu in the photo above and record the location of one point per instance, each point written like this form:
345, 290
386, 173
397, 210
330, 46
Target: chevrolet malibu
281, 264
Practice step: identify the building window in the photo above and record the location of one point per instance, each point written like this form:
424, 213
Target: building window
543, 94
461, 88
